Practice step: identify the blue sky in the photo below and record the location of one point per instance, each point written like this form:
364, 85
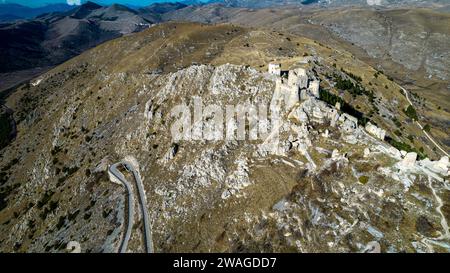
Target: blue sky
37, 3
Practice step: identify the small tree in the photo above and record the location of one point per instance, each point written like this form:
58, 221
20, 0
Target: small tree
411, 112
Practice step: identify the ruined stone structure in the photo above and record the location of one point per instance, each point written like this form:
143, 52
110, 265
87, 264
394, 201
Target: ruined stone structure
298, 77
275, 69
338, 106
443, 163
302, 99
334, 117
314, 87
408, 161
289, 94
441, 167
375, 131
349, 123
297, 87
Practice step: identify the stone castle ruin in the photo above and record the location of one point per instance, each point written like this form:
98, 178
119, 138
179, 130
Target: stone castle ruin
302, 100
275, 69
299, 87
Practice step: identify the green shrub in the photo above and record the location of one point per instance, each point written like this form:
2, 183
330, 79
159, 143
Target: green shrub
411, 112
61, 222
363, 179
397, 122
345, 107
4, 193
401, 146
44, 200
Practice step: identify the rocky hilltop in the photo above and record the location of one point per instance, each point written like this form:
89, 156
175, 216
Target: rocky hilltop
409, 45
336, 177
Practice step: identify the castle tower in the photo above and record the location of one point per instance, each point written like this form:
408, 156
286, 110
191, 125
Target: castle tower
298, 77
292, 78
302, 78
284, 93
314, 87
275, 69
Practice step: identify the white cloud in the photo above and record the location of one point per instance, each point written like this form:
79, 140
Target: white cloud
74, 2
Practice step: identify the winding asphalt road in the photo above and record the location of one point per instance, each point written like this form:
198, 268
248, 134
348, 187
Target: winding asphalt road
143, 204
124, 245
144, 210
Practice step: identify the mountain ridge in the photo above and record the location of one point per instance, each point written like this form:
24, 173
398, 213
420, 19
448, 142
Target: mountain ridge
17, 11
59, 36
330, 3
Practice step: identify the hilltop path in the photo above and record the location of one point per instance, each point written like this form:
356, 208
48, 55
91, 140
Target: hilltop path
420, 125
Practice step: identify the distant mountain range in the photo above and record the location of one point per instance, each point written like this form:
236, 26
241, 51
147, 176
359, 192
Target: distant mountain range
10, 12
328, 3
40, 38
52, 38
